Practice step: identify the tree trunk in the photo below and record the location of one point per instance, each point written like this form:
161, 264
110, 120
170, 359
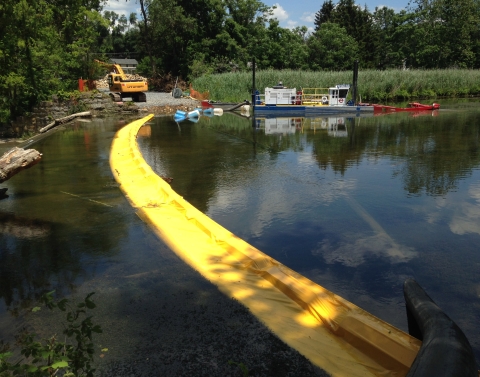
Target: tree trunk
16, 160
146, 35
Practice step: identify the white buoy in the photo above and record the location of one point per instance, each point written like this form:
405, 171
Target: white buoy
245, 108
193, 114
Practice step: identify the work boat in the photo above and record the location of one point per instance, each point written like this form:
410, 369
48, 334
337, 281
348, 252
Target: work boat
308, 101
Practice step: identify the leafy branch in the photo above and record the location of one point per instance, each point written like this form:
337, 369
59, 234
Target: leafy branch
50, 357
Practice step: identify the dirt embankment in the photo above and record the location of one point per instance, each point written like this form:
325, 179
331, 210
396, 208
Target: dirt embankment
98, 103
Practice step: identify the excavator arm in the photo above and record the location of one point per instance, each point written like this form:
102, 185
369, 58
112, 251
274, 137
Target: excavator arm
113, 67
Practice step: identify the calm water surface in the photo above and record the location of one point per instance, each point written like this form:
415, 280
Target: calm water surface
356, 204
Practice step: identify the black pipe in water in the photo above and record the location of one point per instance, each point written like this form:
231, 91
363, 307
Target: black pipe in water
445, 351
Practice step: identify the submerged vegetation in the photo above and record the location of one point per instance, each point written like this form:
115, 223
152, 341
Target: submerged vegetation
72, 357
373, 85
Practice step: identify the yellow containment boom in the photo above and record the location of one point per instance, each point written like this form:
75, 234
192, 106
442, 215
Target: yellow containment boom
330, 331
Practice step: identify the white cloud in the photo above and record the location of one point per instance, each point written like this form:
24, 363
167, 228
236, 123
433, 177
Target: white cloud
122, 7
380, 6
291, 24
356, 249
308, 17
279, 13
467, 215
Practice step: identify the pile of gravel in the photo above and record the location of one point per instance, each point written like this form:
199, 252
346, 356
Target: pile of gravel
166, 99
165, 103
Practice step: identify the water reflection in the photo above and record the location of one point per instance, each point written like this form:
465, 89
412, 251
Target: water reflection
60, 215
22, 228
335, 126
357, 204
466, 218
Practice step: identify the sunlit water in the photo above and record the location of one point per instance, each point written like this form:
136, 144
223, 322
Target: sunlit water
356, 204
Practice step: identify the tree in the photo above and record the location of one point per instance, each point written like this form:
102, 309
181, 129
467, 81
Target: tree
445, 32
246, 24
283, 48
44, 47
390, 43
357, 22
459, 21
324, 14
331, 49
132, 19
147, 34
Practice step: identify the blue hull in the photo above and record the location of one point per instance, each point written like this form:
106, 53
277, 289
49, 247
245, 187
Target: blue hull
300, 110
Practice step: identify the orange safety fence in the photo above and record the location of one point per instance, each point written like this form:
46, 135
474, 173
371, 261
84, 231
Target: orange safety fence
86, 85
198, 95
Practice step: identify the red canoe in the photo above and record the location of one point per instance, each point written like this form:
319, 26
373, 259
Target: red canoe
414, 106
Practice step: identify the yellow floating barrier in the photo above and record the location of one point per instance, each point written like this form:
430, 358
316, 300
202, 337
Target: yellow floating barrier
330, 331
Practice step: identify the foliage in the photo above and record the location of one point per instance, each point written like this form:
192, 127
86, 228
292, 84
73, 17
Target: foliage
331, 48
44, 48
49, 357
63, 95
373, 85
47, 46
242, 367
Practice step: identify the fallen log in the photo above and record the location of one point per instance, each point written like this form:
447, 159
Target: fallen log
63, 120
16, 160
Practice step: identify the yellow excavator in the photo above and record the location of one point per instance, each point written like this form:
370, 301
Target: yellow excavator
121, 87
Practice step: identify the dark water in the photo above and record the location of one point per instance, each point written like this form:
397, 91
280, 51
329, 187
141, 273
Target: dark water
65, 221
355, 204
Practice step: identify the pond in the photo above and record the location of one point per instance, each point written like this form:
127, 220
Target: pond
356, 204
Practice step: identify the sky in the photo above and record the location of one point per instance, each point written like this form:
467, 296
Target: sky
289, 13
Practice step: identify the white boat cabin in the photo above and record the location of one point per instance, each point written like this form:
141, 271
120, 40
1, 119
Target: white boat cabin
280, 95
334, 96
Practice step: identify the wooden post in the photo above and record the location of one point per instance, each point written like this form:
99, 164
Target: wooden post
355, 82
254, 97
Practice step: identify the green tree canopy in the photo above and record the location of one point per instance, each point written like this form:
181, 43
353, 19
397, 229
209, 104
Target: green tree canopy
331, 48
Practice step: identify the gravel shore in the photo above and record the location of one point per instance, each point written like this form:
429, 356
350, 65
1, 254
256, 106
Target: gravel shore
155, 99
164, 103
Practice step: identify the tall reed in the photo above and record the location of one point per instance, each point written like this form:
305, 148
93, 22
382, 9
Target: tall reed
373, 85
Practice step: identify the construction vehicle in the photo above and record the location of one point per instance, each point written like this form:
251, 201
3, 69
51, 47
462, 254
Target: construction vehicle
121, 87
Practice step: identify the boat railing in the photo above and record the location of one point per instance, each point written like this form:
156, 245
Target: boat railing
315, 96
259, 98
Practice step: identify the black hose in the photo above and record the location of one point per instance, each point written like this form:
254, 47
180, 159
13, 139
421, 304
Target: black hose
445, 351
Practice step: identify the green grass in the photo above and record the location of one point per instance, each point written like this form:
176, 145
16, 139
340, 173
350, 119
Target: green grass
373, 85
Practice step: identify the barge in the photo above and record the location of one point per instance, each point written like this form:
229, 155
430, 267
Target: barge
280, 100
283, 101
